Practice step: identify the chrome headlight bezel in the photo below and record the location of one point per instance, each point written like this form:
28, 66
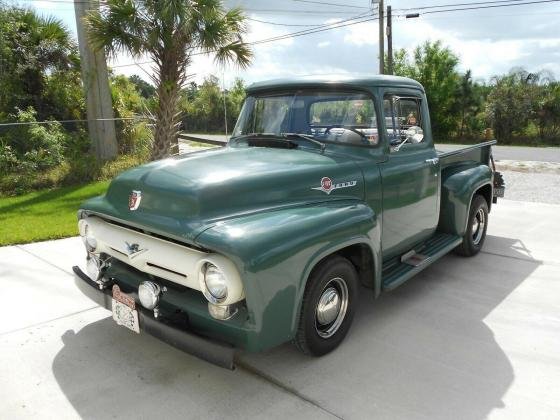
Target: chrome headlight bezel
214, 283
87, 235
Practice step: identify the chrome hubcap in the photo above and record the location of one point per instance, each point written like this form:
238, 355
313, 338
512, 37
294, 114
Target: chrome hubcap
331, 308
479, 222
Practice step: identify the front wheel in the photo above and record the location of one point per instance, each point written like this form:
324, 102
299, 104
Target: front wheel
328, 306
476, 228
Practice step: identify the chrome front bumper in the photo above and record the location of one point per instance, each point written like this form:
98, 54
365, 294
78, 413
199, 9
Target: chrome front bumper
212, 351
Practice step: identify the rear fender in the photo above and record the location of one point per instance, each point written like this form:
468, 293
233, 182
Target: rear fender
459, 184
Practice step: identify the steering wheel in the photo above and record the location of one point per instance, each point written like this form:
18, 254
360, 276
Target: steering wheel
330, 127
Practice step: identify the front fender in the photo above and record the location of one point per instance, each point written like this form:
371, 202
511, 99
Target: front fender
275, 252
459, 183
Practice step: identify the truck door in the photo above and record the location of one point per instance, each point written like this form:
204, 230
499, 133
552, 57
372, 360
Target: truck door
410, 175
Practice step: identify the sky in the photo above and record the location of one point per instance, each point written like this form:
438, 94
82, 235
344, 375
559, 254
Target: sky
488, 41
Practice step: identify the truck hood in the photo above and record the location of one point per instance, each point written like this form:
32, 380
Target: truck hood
184, 195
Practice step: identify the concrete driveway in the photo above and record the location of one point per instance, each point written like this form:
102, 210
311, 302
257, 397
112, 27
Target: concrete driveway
466, 339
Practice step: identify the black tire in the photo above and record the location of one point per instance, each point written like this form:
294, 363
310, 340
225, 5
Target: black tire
313, 337
476, 228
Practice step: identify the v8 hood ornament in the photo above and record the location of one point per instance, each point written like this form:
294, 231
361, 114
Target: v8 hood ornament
133, 250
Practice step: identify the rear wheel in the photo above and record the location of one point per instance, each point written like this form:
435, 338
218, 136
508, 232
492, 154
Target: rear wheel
328, 306
476, 228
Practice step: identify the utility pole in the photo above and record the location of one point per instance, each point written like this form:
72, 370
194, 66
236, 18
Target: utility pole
381, 38
389, 41
101, 125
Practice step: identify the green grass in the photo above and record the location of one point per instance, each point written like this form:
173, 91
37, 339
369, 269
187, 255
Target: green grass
46, 214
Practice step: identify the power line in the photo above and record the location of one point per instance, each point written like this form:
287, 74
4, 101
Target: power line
491, 6
316, 25
284, 24
245, 9
5, 124
312, 31
331, 4
459, 4
321, 28
295, 11
487, 16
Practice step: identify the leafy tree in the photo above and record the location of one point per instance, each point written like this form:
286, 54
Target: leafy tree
38, 146
435, 67
37, 57
128, 103
466, 99
203, 106
547, 115
512, 102
169, 32
146, 90
235, 97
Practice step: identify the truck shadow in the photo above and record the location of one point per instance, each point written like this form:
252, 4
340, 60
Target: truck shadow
423, 350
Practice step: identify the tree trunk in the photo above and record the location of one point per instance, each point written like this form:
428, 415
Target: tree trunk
167, 115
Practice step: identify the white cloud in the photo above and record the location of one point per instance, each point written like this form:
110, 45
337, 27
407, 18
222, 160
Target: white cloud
486, 44
362, 34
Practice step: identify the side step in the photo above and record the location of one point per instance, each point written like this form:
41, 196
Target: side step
396, 272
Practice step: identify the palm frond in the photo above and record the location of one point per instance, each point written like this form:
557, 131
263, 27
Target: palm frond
119, 27
237, 53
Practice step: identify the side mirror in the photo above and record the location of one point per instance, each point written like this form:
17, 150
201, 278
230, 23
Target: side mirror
414, 135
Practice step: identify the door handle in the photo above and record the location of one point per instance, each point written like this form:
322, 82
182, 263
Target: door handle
433, 161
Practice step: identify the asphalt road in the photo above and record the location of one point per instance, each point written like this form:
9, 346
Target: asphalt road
468, 338
537, 154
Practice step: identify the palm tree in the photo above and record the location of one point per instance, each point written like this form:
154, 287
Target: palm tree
169, 32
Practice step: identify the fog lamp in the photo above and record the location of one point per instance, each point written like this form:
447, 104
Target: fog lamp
149, 293
223, 313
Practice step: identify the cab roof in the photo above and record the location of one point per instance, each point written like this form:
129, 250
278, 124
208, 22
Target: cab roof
335, 80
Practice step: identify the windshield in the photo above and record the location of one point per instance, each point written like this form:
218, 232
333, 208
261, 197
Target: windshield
325, 116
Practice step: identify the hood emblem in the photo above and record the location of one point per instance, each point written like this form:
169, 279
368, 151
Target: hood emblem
133, 250
134, 200
327, 185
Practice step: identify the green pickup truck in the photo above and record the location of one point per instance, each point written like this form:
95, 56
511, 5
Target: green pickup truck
328, 187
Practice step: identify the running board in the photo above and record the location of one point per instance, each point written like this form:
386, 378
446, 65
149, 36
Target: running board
396, 272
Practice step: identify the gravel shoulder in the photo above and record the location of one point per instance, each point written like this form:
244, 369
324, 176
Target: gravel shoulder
532, 186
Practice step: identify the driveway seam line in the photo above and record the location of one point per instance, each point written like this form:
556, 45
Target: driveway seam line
277, 383
50, 320
541, 262
44, 260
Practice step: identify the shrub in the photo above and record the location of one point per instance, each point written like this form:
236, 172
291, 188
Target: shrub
71, 172
8, 159
36, 146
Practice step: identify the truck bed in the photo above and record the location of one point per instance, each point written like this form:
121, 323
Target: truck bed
476, 153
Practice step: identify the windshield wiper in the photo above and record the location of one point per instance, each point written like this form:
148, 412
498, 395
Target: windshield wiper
283, 137
266, 137
305, 137
253, 135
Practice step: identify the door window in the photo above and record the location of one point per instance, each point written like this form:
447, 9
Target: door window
403, 119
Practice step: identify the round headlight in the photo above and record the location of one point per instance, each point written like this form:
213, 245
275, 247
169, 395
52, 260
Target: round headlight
86, 233
148, 293
216, 283
93, 267
91, 242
